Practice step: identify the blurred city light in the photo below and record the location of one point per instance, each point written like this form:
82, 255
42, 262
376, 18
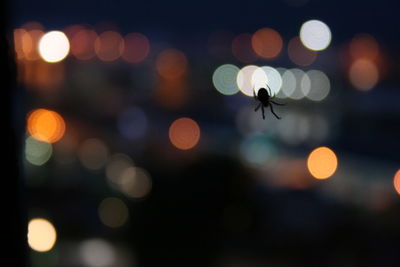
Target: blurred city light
315, 35
288, 83
257, 149
97, 252
93, 154
364, 46
113, 212
267, 43
319, 85
37, 152
322, 163
184, 133
109, 46
274, 79
299, 54
135, 182
82, 44
53, 46
363, 74
137, 47
242, 48
41, 234
224, 79
171, 64
396, 181
46, 125
115, 167
245, 80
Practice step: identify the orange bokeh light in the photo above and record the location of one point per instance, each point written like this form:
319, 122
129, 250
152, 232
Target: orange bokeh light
396, 181
364, 46
137, 47
184, 133
363, 74
171, 64
299, 54
242, 50
46, 125
109, 46
82, 44
322, 163
267, 43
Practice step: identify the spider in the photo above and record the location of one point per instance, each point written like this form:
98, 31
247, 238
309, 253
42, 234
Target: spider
264, 96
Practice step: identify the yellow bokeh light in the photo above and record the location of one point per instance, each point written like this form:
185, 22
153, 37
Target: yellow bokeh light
41, 235
46, 125
53, 46
315, 35
322, 163
184, 133
396, 181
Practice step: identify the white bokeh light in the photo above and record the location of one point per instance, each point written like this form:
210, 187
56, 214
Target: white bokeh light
315, 35
53, 46
224, 79
246, 80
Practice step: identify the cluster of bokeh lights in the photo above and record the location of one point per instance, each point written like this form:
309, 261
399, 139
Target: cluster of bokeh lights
294, 83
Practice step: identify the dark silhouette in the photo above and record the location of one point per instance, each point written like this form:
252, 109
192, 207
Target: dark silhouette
265, 100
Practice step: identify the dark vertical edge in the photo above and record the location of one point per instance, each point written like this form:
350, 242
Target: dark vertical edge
12, 112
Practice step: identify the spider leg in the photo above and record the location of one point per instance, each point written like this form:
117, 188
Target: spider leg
279, 104
272, 110
263, 113
254, 93
259, 105
269, 90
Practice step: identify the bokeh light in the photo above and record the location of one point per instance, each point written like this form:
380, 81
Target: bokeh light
299, 54
322, 163
46, 125
116, 165
242, 48
97, 252
267, 43
37, 152
42, 235
109, 46
113, 212
315, 35
171, 64
257, 149
319, 85
364, 46
135, 182
137, 47
184, 133
82, 44
132, 123
363, 74
396, 181
93, 154
274, 79
288, 83
54, 46
224, 79
245, 79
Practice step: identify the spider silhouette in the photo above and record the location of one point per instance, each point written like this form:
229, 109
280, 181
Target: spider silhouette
264, 96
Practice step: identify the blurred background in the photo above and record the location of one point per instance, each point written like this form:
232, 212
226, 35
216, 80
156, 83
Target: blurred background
140, 145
